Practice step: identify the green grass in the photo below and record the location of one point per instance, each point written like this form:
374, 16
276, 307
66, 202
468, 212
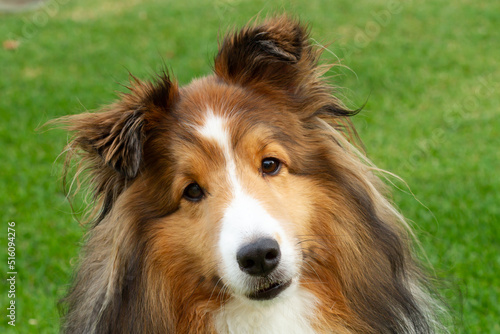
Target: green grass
428, 69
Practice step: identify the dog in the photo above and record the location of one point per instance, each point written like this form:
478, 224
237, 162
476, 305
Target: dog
240, 203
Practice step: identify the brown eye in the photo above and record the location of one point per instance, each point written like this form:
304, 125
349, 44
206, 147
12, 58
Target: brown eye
193, 192
270, 166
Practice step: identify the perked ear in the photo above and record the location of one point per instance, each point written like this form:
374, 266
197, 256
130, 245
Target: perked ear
114, 138
276, 52
110, 143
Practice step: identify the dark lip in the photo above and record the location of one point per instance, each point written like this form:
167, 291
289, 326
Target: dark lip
270, 292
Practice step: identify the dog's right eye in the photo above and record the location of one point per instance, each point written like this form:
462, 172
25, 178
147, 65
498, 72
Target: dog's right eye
193, 192
270, 166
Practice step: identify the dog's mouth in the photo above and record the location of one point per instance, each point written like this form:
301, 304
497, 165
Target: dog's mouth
269, 290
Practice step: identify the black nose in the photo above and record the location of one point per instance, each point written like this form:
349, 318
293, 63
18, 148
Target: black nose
259, 258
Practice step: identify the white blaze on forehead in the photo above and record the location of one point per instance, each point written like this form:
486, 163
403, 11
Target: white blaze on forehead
215, 128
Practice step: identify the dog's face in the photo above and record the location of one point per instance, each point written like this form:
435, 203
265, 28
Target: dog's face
240, 202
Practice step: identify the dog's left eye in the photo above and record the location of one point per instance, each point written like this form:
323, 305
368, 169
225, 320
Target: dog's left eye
270, 166
193, 192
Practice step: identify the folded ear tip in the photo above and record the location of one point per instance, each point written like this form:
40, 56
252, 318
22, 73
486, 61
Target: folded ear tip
281, 32
264, 51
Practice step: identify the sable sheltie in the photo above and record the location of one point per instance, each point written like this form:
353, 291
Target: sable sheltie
239, 204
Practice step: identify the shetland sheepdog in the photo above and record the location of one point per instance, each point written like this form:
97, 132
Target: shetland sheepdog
240, 203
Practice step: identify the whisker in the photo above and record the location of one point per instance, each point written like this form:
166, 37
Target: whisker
213, 289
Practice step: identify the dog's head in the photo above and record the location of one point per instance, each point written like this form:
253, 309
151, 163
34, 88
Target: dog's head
242, 185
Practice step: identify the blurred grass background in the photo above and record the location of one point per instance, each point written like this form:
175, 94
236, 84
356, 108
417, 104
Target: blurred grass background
429, 69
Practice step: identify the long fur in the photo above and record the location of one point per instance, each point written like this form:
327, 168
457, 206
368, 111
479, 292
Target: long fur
139, 275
